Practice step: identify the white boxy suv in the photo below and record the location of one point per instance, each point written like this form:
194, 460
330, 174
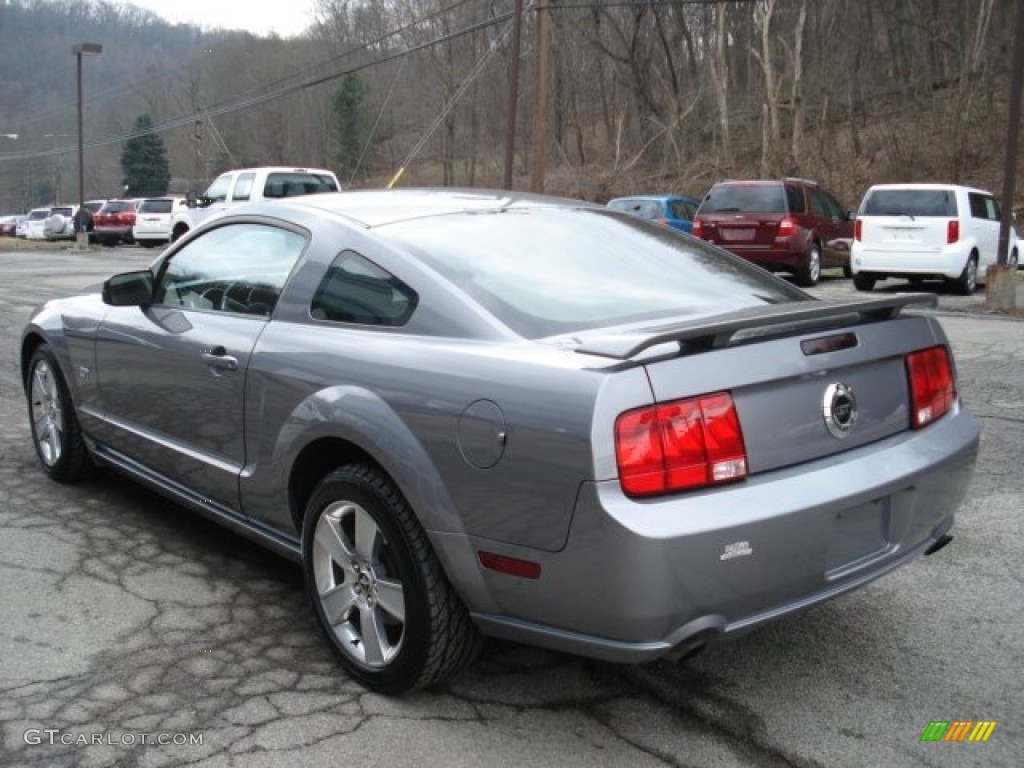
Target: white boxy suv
920, 231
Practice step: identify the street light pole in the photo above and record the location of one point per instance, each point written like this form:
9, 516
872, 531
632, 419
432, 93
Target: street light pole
82, 49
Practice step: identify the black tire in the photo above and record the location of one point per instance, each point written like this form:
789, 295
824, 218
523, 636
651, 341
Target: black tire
56, 434
809, 272
847, 270
968, 280
433, 638
179, 232
864, 282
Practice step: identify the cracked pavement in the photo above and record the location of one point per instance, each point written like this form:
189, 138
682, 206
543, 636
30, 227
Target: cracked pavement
122, 614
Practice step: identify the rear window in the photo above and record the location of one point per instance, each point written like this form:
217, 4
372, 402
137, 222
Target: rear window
544, 272
910, 202
39, 214
116, 206
741, 198
293, 184
156, 206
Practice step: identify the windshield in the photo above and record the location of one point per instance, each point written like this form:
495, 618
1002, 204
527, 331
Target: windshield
544, 272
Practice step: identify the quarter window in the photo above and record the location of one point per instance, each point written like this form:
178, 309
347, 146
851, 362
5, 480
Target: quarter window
355, 290
239, 268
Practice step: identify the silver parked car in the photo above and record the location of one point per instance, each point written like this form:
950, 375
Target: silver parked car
470, 413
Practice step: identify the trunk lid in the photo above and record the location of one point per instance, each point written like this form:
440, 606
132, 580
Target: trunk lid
741, 229
786, 368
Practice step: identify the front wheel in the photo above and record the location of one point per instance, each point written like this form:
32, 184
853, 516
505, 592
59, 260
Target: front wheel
56, 434
810, 272
377, 589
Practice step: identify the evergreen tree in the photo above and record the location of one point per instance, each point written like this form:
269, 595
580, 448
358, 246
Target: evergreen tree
349, 127
144, 162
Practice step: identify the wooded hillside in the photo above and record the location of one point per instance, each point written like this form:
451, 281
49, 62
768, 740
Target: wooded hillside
651, 96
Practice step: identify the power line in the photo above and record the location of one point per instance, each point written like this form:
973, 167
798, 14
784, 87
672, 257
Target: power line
245, 102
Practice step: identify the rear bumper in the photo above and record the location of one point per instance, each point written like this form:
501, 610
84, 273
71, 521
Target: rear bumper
785, 254
640, 580
108, 232
946, 262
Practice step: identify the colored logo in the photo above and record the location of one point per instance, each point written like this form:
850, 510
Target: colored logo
958, 730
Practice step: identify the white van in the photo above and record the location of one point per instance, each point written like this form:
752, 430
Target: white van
920, 231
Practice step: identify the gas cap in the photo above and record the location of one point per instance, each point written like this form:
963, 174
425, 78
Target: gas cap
482, 434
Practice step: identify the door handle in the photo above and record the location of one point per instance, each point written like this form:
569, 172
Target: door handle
219, 358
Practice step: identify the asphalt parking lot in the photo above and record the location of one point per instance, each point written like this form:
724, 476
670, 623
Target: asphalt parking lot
123, 617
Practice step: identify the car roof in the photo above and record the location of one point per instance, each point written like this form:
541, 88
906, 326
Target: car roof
928, 186
654, 197
373, 208
276, 169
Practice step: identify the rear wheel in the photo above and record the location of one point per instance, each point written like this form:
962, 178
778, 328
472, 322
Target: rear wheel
377, 589
863, 282
810, 272
56, 434
968, 280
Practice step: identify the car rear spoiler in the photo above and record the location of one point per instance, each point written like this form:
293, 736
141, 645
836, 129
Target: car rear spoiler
720, 330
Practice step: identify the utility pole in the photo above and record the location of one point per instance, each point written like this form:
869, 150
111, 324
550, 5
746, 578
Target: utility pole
1000, 279
540, 101
513, 94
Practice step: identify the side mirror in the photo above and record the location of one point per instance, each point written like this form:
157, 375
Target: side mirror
129, 289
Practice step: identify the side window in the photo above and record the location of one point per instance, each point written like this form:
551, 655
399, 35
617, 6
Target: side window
682, 210
979, 209
795, 199
239, 268
818, 204
832, 205
218, 191
992, 209
243, 187
356, 290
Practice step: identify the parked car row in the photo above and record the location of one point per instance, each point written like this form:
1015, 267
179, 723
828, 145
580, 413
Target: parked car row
146, 221
909, 231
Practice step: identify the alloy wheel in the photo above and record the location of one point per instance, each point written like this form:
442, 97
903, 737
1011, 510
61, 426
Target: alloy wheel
362, 599
47, 413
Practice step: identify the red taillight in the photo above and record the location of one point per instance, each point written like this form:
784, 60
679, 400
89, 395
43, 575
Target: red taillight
952, 231
679, 445
932, 390
697, 229
787, 226
858, 228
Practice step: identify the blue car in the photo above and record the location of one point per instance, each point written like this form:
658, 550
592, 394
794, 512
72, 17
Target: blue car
674, 211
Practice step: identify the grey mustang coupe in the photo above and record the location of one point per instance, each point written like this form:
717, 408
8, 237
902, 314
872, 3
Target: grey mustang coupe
472, 414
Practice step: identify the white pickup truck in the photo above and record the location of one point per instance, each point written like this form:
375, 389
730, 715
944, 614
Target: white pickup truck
247, 184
